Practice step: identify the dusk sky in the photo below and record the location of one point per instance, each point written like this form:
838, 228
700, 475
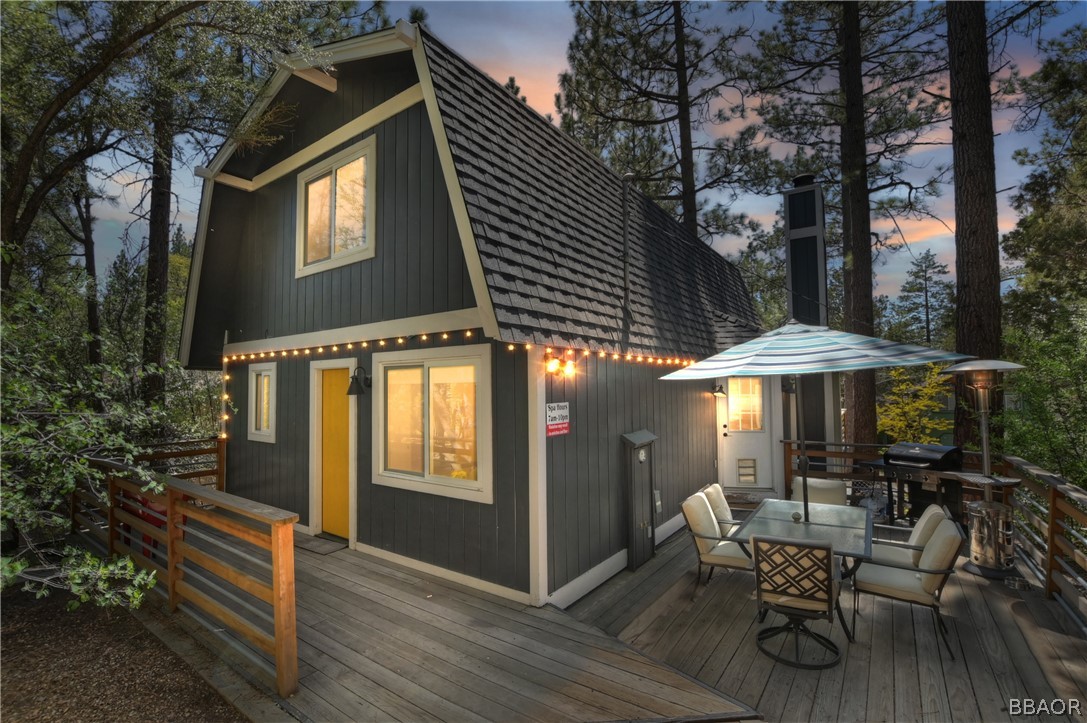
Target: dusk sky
528, 40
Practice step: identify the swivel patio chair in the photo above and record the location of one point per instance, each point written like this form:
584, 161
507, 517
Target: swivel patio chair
712, 550
918, 584
798, 579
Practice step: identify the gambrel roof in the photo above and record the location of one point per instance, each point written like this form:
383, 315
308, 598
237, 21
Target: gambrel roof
542, 225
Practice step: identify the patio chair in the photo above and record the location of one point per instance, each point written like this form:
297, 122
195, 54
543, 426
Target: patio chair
716, 497
909, 552
712, 550
798, 579
821, 491
918, 584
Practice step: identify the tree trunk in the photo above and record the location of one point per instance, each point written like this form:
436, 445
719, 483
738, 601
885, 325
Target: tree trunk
977, 250
856, 225
153, 388
689, 200
94, 324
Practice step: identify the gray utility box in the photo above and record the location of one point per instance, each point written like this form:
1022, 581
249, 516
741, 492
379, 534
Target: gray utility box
641, 497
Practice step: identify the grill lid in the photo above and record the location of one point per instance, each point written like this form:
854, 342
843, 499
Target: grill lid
924, 456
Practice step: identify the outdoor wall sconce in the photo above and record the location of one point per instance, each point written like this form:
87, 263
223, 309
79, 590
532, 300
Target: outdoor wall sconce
360, 380
555, 365
982, 376
718, 391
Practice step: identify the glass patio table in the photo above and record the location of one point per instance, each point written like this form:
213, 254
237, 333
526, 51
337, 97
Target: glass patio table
847, 529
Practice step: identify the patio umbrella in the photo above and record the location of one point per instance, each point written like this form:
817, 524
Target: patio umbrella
798, 348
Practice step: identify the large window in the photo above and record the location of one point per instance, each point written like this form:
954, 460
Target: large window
432, 421
262, 402
745, 404
336, 200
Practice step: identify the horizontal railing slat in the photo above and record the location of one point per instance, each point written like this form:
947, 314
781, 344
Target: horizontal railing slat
228, 572
231, 527
227, 617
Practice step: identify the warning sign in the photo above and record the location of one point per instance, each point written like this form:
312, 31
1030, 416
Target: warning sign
558, 419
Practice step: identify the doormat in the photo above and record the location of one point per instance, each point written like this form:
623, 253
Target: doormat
319, 545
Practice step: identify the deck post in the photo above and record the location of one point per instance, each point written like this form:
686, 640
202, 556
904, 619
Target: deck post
220, 464
286, 636
175, 534
1053, 495
111, 517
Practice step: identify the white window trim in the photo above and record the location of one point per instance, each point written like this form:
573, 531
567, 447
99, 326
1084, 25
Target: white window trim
480, 490
256, 435
366, 148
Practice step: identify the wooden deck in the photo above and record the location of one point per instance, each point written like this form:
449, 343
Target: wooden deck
380, 642
1008, 644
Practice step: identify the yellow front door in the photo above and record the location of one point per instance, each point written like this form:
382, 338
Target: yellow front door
335, 452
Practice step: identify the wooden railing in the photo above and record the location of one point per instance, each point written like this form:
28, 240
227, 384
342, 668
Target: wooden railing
1050, 519
200, 460
228, 558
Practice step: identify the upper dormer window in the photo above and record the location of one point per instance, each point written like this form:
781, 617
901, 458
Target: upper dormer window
336, 204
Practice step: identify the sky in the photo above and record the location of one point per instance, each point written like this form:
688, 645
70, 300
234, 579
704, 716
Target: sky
528, 40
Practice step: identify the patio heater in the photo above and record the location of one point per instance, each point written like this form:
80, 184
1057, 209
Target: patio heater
992, 550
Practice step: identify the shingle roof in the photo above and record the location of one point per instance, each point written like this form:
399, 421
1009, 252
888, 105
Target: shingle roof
547, 217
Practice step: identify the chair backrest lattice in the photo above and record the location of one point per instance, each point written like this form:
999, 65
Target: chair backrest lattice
794, 573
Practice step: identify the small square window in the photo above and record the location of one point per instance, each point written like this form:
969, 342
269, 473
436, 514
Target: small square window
262, 402
336, 205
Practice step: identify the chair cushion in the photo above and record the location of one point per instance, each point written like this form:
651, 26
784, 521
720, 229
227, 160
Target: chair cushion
716, 497
892, 582
926, 525
728, 554
940, 553
789, 601
821, 491
894, 554
699, 516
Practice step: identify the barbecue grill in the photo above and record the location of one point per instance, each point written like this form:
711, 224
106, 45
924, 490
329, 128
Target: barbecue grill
928, 471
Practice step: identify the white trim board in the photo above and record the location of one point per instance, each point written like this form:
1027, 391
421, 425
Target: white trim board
585, 583
315, 510
408, 326
194, 270
537, 478
480, 288
667, 529
458, 577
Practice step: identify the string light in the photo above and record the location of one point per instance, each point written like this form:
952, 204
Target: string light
562, 356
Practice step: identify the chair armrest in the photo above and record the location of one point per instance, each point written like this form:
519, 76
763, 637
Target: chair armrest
911, 568
895, 543
704, 537
727, 521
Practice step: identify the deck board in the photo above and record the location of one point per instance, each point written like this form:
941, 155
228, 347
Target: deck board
1007, 643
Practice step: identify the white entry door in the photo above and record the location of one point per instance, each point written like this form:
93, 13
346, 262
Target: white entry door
747, 425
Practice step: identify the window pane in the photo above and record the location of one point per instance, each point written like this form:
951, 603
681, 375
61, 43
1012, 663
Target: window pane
318, 219
404, 419
350, 206
745, 404
265, 402
453, 422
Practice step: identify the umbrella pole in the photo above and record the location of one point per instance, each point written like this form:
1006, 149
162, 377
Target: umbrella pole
803, 442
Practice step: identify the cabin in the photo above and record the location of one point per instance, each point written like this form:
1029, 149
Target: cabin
442, 325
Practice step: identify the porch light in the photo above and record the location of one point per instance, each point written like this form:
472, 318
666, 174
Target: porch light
718, 391
359, 379
552, 364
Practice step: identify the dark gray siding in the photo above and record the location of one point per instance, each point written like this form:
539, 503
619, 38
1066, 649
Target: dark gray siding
489, 542
586, 469
247, 283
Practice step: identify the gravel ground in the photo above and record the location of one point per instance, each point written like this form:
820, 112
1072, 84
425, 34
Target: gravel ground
93, 665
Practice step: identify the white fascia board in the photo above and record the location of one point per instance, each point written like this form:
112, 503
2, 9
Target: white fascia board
456, 198
194, 271
408, 326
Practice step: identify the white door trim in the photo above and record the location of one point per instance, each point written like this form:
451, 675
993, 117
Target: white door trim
315, 369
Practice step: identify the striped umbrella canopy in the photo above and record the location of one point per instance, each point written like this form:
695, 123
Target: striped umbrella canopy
803, 349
